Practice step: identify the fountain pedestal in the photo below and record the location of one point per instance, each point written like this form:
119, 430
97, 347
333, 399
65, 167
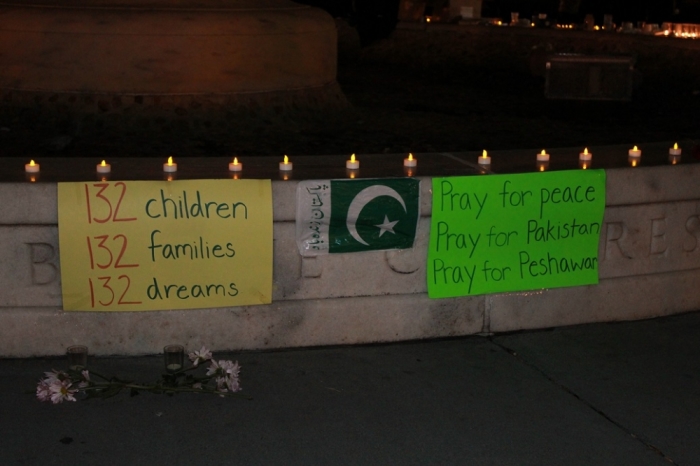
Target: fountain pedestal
166, 57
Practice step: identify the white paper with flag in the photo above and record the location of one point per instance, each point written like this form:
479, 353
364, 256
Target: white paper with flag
335, 216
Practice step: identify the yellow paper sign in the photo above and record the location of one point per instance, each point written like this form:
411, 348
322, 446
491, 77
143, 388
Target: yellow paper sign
154, 245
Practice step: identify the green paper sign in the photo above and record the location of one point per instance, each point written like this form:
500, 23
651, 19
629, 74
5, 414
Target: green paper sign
502, 233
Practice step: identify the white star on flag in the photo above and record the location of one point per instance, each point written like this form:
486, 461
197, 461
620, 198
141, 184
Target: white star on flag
386, 226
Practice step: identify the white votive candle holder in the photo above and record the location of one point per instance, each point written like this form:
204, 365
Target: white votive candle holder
170, 166
235, 166
484, 159
675, 150
543, 156
104, 168
31, 167
410, 162
286, 165
585, 155
634, 152
352, 164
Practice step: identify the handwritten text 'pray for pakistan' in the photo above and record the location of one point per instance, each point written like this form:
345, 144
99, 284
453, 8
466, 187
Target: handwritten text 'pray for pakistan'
466, 238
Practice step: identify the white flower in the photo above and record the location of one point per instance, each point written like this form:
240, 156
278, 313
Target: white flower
213, 368
230, 367
200, 356
233, 383
43, 390
60, 390
227, 372
55, 375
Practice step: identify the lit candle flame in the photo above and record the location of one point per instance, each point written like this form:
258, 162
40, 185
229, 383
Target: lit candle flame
543, 152
103, 164
410, 156
170, 160
541, 168
584, 166
484, 154
585, 150
633, 162
352, 158
31, 163
635, 148
286, 159
235, 160
675, 146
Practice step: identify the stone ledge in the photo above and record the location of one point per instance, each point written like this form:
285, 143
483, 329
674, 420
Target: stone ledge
649, 254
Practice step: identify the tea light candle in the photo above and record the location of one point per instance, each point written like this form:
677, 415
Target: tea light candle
170, 166
634, 152
543, 156
31, 167
286, 165
352, 164
410, 161
675, 150
104, 167
235, 166
585, 155
484, 159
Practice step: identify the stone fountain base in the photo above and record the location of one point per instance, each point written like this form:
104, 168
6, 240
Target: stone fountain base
135, 63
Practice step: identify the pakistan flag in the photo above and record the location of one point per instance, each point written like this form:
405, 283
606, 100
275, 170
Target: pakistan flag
335, 216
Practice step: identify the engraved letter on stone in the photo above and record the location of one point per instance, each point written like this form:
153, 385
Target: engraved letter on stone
692, 226
41, 258
614, 232
658, 245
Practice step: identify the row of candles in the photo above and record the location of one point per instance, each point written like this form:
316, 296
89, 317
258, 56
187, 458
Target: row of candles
353, 163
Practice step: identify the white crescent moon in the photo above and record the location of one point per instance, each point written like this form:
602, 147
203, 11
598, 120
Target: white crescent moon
363, 198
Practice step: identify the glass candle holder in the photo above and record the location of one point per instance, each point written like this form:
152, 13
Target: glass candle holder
174, 357
77, 357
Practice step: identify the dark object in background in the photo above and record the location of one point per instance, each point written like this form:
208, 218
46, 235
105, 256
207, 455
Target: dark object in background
589, 77
373, 19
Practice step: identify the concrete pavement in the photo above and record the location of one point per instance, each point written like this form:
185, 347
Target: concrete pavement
600, 394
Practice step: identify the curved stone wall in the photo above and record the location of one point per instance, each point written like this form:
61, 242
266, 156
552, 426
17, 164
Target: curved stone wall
649, 256
98, 55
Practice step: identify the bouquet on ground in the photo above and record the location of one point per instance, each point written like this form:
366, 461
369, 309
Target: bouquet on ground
221, 378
